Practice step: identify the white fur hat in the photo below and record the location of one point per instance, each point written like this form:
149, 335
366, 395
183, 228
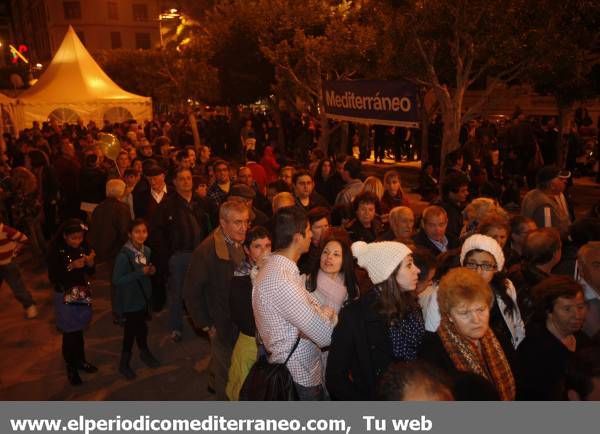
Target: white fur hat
485, 243
379, 259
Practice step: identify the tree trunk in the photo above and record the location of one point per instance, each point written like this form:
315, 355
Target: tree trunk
325, 131
452, 123
195, 134
564, 112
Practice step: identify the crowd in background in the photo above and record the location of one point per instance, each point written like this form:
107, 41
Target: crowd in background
278, 250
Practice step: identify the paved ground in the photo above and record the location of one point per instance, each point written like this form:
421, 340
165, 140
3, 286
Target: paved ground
31, 365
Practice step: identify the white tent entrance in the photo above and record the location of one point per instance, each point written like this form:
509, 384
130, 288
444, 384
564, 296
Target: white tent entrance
75, 87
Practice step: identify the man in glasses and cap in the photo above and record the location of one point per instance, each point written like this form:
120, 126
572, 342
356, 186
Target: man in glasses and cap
547, 204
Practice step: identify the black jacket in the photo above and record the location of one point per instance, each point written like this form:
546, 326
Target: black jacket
59, 257
357, 232
543, 360
455, 218
422, 240
360, 351
177, 225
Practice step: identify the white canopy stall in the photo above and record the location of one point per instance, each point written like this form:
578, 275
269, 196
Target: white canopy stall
74, 87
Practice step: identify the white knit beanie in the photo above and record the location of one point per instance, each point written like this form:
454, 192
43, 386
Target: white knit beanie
485, 243
379, 259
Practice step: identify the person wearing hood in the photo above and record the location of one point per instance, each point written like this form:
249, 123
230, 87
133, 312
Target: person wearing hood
383, 326
133, 291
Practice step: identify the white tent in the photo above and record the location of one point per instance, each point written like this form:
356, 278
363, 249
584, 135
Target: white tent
74, 87
8, 117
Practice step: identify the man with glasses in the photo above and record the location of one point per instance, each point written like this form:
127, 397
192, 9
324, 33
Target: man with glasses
207, 286
219, 190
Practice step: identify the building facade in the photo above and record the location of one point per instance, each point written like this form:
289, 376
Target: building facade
100, 24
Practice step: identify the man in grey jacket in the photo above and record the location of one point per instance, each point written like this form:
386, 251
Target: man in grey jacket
546, 204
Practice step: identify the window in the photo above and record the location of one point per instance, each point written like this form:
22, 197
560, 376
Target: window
142, 41
81, 36
115, 40
113, 10
72, 10
140, 12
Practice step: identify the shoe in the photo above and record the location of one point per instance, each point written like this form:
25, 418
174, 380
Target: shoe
148, 359
31, 312
73, 376
176, 336
211, 390
87, 367
124, 367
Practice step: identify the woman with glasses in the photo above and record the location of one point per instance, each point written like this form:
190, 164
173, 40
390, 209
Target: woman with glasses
464, 345
484, 255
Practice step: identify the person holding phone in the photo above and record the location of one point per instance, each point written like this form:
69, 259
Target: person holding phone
131, 277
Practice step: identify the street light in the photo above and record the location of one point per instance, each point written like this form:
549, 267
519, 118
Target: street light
165, 16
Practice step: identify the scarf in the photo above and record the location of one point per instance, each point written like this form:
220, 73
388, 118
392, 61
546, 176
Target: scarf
490, 363
331, 292
139, 255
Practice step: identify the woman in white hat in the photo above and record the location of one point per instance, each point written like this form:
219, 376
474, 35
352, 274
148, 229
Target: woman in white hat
483, 254
383, 326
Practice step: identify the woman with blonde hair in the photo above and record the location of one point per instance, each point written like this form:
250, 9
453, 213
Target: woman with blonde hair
475, 211
394, 195
373, 184
464, 344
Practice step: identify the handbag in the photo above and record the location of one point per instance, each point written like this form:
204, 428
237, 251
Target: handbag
79, 294
270, 381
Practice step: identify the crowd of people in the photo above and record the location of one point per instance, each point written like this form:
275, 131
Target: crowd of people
482, 295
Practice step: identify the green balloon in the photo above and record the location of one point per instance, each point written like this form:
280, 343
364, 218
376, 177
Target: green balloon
109, 144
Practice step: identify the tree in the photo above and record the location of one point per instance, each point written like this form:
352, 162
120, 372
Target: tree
448, 46
168, 76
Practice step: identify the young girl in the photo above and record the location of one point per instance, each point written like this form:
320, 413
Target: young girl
393, 195
70, 262
383, 326
133, 290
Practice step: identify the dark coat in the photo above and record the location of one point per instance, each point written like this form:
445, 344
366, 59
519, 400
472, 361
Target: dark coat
92, 185
240, 304
108, 228
422, 240
207, 286
360, 351
543, 360
357, 232
455, 218
314, 200
144, 204
133, 288
177, 226
59, 257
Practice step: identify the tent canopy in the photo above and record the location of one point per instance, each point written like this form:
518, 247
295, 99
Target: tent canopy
74, 82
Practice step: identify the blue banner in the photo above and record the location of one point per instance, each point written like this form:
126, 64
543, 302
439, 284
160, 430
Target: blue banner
391, 103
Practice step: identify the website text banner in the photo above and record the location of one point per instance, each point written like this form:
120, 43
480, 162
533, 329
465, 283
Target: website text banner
281, 417
391, 103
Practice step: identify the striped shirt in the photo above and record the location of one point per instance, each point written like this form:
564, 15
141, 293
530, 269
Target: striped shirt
9, 237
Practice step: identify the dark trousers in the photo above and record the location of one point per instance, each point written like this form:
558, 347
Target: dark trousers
314, 393
73, 348
135, 329
12, 275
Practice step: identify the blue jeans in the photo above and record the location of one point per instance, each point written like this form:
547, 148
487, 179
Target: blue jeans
178, 265
12, 275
